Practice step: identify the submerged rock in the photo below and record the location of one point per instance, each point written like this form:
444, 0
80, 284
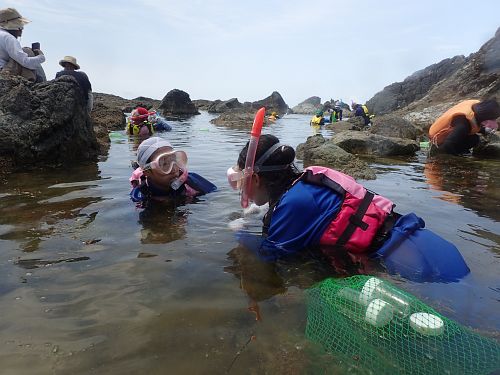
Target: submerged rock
358, 142
178, 102
319, 151
44, 124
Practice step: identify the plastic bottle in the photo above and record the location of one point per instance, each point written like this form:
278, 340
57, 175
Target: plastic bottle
375, 288
376, 312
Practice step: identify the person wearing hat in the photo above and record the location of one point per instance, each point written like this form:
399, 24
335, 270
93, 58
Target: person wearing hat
139, 124
71, 66
161, 174
456, 131
14, 59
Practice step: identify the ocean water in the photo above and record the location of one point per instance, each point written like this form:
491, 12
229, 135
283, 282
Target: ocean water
90, 284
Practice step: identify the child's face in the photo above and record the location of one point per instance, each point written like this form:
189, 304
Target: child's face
159, 177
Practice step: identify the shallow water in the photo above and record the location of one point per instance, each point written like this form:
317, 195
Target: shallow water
76, 296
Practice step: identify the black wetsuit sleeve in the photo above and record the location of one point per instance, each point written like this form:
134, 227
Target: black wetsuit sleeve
457, 141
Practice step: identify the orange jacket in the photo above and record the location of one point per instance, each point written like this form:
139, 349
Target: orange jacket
442, 126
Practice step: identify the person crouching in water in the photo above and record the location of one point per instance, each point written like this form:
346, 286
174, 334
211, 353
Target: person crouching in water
456, 131
139, 124
162, 174
321, 207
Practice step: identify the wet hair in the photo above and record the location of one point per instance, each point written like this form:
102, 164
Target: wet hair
486, 110
277, 182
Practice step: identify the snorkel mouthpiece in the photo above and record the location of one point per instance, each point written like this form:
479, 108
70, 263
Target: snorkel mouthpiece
252, 149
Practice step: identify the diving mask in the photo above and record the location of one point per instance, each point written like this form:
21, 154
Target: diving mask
164, 163
235, 177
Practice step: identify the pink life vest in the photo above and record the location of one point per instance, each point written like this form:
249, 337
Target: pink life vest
361, 214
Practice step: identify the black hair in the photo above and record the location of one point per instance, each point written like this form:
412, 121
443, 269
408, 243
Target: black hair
277, 182
486, 110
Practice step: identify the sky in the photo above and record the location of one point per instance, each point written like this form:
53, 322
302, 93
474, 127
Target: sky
221, 49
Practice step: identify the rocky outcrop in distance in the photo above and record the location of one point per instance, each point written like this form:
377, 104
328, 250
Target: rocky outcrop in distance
308, 106
44, 124
414, 87
178, 103
237, 115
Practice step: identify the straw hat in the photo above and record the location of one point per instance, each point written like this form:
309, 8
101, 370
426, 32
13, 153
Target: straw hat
69, 59
10, 19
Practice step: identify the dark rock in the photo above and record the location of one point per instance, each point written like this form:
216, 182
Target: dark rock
394, 126
319, 151
236, 118
414, 87
44, 124
273, 103
125, 105
308, 106
202, 104
177, 102
220, 106
490, 148
357, 142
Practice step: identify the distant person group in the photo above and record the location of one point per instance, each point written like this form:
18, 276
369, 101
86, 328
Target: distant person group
26, 62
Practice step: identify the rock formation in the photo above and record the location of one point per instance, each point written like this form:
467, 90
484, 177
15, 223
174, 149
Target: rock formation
177, 102
220, 106
414, 87
394, 126
308, 106
273, 102
361, 142
44, 124
319, 151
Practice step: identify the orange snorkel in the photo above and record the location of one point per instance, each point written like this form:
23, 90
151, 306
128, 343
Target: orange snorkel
252, 149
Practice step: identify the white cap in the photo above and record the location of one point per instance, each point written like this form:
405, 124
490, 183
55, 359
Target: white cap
368, 291
379, 313
427, 324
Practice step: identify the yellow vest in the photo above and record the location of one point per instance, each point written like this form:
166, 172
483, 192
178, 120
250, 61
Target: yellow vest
134, 129
442, 126
365, 109
316, 120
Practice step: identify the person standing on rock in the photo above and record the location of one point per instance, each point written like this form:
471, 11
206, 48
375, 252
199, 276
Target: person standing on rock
14, 59
456, 131
70, 69
325, 209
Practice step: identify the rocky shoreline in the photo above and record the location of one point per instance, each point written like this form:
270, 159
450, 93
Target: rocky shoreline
46, 124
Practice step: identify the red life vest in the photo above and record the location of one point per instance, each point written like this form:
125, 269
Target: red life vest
361, 214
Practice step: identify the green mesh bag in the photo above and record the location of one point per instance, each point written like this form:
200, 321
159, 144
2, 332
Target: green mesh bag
371, 327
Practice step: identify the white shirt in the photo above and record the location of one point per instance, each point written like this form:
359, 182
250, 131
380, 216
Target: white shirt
11, 48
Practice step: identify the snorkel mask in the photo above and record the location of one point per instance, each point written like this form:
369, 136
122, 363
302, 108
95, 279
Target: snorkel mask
164, 164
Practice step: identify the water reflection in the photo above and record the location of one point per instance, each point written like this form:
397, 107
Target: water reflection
38, 206
261, 280
163, 222
464, 181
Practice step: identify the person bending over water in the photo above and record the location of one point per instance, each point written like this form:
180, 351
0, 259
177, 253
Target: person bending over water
324, 208
456, 131
162, 174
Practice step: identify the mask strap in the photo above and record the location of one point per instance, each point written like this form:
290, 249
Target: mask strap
258, 167
268, 153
